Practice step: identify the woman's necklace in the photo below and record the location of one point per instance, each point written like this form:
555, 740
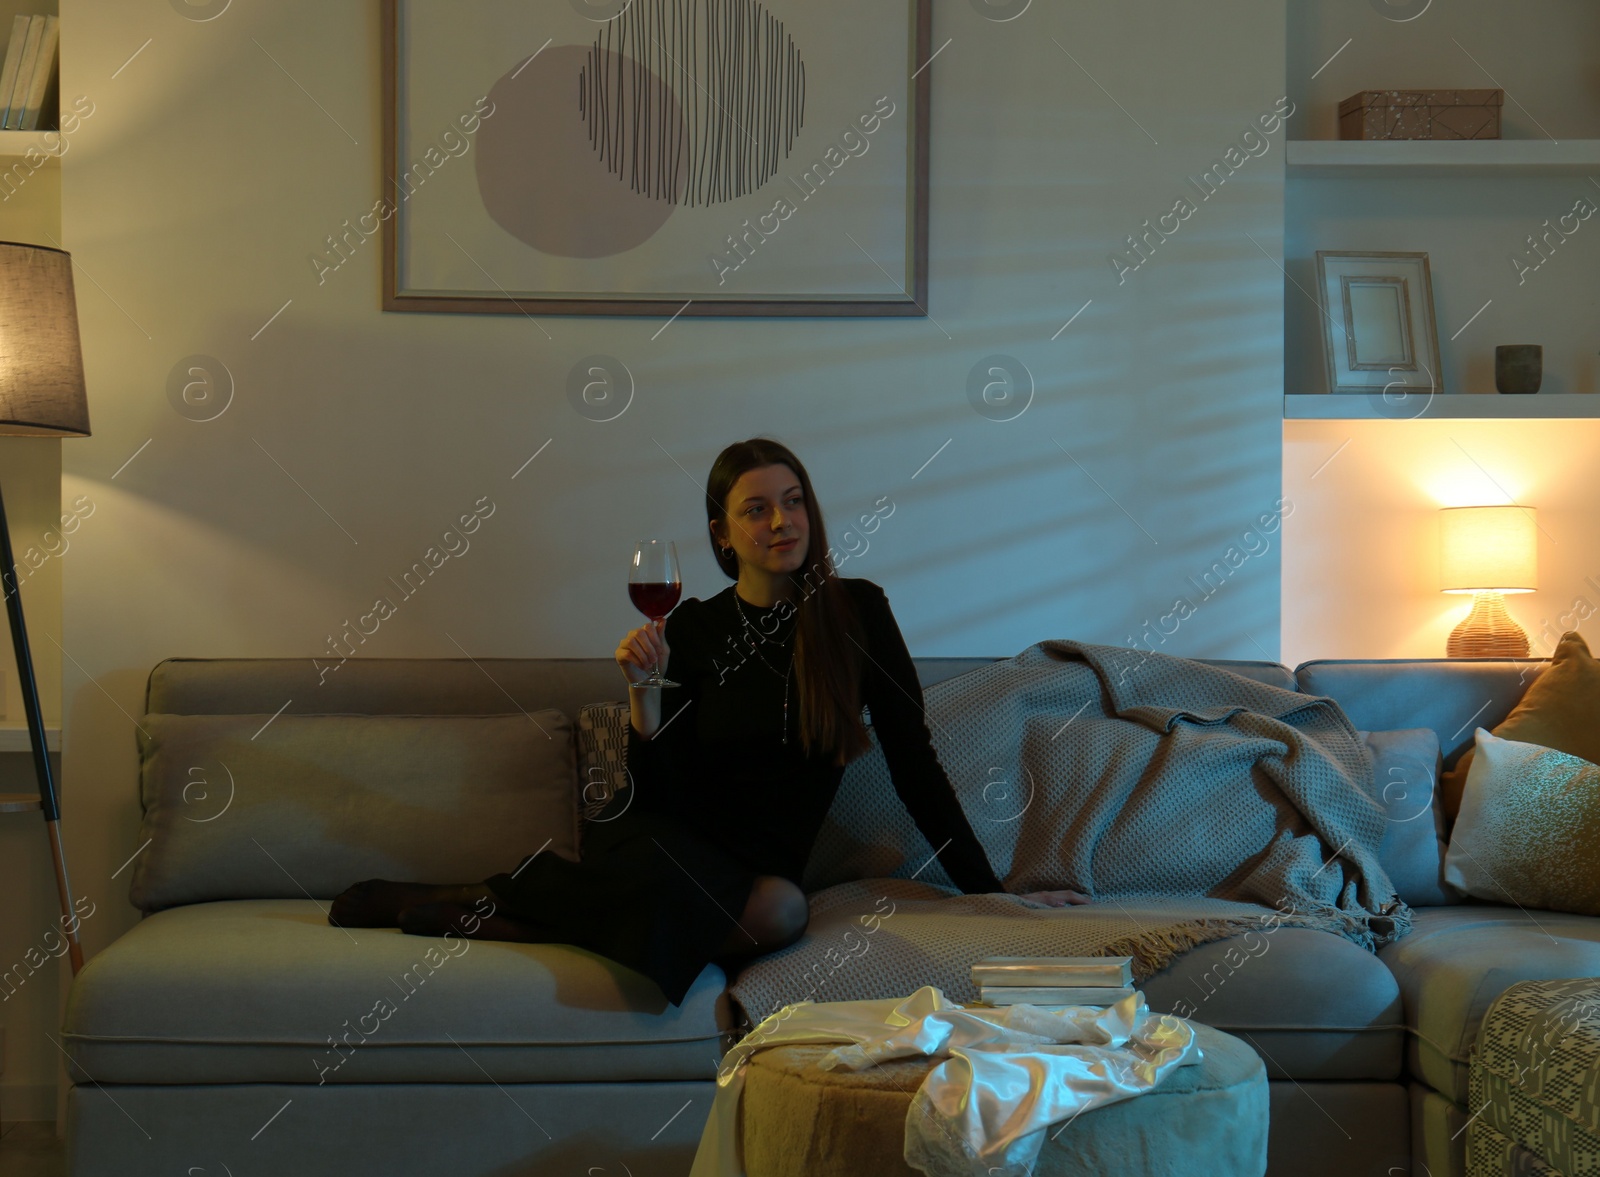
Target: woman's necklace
756, 650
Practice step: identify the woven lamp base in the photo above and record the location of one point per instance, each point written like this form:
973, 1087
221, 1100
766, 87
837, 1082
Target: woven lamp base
1488, 631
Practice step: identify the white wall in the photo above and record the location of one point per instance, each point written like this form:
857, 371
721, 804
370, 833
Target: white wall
206, 177
1362, 576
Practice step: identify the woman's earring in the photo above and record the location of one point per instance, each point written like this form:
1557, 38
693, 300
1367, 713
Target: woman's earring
726, 552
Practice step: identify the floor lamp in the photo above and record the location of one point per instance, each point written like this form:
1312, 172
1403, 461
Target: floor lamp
41, 395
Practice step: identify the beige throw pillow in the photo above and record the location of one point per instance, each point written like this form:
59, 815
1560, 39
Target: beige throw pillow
264, 807
1529, 828
1560, 710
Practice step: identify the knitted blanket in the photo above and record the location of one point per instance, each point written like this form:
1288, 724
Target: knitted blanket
1130, 776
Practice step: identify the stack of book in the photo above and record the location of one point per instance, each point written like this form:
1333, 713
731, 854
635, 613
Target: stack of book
1054, 980
25, 77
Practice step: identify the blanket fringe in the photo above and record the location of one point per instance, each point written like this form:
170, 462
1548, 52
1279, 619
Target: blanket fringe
1154, 949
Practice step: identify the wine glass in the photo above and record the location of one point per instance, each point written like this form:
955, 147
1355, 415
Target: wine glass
654, 586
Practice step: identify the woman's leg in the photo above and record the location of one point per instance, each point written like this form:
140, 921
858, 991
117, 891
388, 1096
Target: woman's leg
377, 903
476, 921
775, 915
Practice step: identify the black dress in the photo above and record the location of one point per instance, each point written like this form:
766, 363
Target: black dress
719, 798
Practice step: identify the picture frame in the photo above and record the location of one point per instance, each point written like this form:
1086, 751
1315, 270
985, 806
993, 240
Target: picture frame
599, 174
1379, 333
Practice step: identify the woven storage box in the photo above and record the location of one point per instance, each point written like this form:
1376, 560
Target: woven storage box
1421, 114
1534, 1082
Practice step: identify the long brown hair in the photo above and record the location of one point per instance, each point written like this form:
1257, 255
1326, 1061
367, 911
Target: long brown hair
827, 656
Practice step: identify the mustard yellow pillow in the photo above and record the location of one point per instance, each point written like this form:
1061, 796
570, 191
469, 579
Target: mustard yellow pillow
1560, 710
1529, 828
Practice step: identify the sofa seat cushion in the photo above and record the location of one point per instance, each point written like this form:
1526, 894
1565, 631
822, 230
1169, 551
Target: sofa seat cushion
1457, 960
248, 991
1314, 1005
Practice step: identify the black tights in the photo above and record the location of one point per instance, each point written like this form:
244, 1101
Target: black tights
774, 915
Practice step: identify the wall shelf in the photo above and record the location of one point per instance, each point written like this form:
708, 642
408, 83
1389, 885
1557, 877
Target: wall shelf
1385, 159
1316, 406
15, 144
14, 737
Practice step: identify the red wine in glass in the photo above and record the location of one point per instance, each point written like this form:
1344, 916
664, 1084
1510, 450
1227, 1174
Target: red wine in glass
654, 600
654, 587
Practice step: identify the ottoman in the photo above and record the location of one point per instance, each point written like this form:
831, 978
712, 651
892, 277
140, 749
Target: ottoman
1533, 1081
1208, 1119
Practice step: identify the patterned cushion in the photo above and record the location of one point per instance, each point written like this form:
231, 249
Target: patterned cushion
602, 756
1529, 828
1535, 1080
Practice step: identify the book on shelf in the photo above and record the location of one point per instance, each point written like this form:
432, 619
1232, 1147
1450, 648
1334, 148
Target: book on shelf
1054, 970
44, 69
1054, 994
25, 66
13, 62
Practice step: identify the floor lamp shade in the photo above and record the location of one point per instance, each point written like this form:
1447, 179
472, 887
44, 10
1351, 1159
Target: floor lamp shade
41, 395
41, 365
1488, 551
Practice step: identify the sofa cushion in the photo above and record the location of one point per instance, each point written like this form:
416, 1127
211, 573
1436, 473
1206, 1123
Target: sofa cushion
1459, 959
1312, 1004
1560, 710
1529, 828
252, 806
1405, 774
1449, 695
1316, 1005
267, 991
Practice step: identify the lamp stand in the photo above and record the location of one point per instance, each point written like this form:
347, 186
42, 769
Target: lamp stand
1488, 631
41, 752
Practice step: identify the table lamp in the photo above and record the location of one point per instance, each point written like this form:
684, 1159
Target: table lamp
41, 395
1488, 551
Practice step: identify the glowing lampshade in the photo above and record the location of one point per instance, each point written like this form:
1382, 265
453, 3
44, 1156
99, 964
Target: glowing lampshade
1488, 548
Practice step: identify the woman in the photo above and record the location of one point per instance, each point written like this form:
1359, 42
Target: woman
732, 772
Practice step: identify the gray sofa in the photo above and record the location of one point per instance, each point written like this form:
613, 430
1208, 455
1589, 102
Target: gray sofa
215, 1036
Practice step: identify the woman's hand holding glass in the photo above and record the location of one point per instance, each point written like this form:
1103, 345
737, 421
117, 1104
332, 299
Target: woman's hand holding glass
654, 586
642, 650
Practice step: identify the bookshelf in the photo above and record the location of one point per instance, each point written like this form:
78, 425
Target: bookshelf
1318, 406
1415, 159
9, 11
15, 144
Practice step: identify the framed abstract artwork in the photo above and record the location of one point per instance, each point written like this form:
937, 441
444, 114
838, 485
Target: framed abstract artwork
1378, 329
655, 157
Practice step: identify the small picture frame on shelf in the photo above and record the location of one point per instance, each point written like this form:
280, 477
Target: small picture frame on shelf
1378, 328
